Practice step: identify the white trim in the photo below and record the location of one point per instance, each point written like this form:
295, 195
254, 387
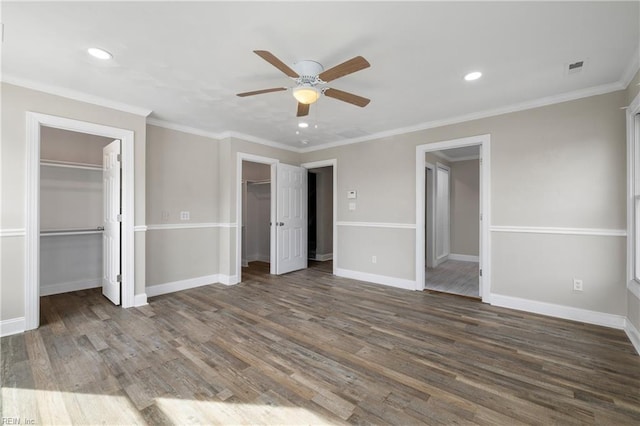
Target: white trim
261, 141
34, 121
484, 141
324, 257
634, 287
12, 326
464, 257
75, 95
140, 300
16, 232
633, 334
48, 290
333, 162
560, 230
140, 228
170, 287
377, 279
71, 165
536, 103
228, 279
378, 225
189, 225
559, 311
273, 162
258, 257
631, 69
184, 129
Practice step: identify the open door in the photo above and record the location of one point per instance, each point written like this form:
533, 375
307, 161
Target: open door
291, 219
112, 222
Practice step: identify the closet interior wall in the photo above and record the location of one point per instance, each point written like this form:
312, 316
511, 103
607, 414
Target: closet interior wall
71, 203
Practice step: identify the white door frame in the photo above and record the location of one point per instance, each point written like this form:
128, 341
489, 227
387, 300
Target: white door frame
446, 244
34, 122
432, 223
273, 162
334, 164
484, 141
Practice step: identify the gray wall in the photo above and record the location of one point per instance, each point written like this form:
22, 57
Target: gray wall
181, 176
16, 101
561, 165
465, 207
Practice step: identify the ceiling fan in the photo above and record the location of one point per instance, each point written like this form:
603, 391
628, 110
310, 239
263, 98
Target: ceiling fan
311, 79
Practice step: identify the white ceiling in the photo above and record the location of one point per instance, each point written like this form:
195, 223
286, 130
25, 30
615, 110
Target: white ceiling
186, 61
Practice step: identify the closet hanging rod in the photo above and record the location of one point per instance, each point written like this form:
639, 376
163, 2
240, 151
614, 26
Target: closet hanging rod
83, 231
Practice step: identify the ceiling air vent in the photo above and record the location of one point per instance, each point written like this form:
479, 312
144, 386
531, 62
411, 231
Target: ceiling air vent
575, 67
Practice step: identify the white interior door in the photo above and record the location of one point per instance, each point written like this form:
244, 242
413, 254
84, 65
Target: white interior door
112, 222
291, 219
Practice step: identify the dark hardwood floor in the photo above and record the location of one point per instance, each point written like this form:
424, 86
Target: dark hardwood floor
311, 348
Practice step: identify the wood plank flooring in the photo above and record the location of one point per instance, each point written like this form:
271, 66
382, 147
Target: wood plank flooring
455, 277
311, 348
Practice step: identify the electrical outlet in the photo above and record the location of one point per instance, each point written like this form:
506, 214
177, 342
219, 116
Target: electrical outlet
577, 284
184, 216
374, 259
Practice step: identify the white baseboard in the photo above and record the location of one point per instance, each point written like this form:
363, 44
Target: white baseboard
559, 311
323, 257
633, 334
227, 279
140, 300
157, 290
12, 326
464, 257
259, 257
377, 279
48, 290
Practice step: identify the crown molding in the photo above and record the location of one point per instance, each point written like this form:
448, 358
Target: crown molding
549, 100
184, 129
75, 95
621, 84
261, 141
631, 69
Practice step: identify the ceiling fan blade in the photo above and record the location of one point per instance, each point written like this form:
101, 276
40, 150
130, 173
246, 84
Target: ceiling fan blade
352, 65
260, 92
303, 109
269, 57
347, 97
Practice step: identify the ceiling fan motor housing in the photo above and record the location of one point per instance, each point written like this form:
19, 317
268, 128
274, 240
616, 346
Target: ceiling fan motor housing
308, 72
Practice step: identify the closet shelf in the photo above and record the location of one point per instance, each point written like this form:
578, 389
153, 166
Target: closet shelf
71, 165
71, 231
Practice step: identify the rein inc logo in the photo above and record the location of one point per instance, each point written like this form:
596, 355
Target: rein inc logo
17, 421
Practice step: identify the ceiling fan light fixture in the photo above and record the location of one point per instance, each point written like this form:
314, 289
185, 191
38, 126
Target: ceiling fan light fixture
306, 94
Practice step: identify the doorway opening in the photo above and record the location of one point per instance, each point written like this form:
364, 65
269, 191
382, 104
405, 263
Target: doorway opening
37, 125
452, 231
256, 213
452, 221
323, 214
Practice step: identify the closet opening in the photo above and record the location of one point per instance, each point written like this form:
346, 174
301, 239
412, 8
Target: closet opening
80, 213
256, 214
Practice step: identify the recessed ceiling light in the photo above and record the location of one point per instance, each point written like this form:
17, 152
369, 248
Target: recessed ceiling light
297, 132
99, 53
473, 76
303, 125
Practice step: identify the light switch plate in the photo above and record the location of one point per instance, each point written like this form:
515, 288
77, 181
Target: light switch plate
352, 194
352, 206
